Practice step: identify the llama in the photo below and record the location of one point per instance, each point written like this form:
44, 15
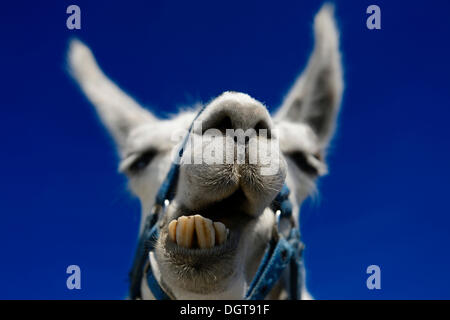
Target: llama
215, 231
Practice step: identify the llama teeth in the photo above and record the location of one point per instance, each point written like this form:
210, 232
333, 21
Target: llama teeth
173, 230
185, 231
205, 232
208, 233
221, 232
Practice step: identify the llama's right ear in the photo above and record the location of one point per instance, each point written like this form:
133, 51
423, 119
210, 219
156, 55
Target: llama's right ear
118, 111
315, 97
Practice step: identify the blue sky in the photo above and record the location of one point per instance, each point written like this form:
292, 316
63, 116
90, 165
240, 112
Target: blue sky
384, 202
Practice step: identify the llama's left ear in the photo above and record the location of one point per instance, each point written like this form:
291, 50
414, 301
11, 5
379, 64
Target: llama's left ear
316, 95
119, 112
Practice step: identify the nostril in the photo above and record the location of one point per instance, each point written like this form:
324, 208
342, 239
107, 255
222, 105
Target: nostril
246, 139
262, 125
221, 124
252, 118
225, 124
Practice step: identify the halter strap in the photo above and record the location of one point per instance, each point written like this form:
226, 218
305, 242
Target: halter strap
281, 252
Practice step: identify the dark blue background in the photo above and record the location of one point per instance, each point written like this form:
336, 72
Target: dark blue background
385, 201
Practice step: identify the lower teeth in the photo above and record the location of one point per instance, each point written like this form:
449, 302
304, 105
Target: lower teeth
207, 233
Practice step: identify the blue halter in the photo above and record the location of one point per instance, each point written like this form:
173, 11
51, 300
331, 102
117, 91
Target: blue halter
282, 251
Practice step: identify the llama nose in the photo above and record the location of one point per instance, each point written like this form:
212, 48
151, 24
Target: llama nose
236, 111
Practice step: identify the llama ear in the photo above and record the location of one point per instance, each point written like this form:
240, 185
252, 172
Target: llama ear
316, 95
118, 111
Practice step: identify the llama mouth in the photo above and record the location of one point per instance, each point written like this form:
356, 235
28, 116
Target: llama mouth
212, 229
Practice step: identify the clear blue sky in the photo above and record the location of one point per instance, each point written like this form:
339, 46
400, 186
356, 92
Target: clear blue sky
384, 202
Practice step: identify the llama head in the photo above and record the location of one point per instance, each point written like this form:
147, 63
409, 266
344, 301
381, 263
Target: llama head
193, 263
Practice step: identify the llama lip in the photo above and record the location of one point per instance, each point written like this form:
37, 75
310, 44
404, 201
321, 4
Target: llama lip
190, 255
